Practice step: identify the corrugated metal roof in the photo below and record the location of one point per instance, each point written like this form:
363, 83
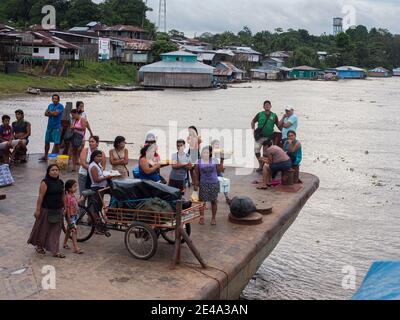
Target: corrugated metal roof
228, 65
177, 67
79, 29
179, 53
226, 52
140, 45
349, 68
379, 69
46, 38
205, 56
121, 27
305, 68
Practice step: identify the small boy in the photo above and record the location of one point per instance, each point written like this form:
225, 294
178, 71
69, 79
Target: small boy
180, 167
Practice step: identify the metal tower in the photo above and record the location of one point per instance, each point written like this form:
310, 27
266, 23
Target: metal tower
162, 16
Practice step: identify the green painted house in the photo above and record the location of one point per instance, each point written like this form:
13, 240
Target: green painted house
304, 72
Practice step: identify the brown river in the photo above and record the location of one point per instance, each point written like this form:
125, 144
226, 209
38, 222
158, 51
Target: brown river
350, 131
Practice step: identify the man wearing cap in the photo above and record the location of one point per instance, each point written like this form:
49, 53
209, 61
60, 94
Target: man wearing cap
288, 123
266, 120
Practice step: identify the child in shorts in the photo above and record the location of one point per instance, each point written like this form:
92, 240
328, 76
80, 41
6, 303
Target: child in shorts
71, 215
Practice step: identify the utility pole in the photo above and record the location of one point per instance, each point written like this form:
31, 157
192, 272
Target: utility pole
162, 16
144, 13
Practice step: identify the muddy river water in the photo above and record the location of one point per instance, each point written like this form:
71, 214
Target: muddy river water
350, 132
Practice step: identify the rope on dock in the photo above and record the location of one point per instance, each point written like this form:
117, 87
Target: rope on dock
211, 277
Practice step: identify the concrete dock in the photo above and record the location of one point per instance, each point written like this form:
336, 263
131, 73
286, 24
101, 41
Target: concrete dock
233, 253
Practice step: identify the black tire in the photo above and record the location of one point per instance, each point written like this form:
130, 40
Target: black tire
85, 225
141, 241
169, 235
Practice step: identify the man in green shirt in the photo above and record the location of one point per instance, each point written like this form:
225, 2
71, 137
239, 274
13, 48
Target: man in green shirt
266, 121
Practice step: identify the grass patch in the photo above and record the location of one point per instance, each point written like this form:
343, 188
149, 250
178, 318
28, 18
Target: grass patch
92, 73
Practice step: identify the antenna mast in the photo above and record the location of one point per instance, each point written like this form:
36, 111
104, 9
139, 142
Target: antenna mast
162, 16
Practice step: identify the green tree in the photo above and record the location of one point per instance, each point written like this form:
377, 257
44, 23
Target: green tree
162, 44
245, 36
176, 34
81, 12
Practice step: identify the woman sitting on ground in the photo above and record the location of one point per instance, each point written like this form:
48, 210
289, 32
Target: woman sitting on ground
79, 126
85, 161
275, 160
119, 157
148, 170
293, 149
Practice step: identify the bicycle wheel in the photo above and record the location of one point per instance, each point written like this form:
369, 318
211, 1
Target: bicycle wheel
141, 241
85, 226
169, 235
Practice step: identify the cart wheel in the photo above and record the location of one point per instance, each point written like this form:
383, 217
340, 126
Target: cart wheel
169, 235
141, 241
85, 225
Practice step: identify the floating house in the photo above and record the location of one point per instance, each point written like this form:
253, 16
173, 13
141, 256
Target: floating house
396, 72
177, 69
270, 73
226, 71
379, 73
348, 72
304, 72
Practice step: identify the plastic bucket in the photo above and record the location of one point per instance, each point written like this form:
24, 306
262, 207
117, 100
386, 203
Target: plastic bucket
62, 162
52, 158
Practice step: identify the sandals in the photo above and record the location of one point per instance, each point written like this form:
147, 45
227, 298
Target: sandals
201, 221
79, 251
59, 255
40, 250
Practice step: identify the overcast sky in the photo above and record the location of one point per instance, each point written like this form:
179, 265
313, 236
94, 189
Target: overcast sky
316, 16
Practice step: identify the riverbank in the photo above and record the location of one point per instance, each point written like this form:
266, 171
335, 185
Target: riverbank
233, 253
93, 73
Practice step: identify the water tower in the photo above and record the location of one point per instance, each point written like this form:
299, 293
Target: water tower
337, 26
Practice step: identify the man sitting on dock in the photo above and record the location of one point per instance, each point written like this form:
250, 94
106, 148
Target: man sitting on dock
7, 143
53, 132
22, 131
266, 120
274, 161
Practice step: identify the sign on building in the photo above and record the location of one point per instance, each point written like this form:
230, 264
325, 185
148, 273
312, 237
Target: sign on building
104, 49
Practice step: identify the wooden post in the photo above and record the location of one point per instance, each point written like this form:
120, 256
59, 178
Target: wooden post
192, 247
178, 236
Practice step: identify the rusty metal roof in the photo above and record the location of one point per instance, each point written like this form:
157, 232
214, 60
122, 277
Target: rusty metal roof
44, 38
121, 27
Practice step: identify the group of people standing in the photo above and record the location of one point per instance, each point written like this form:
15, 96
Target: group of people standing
190, 163
57, 200
281, 150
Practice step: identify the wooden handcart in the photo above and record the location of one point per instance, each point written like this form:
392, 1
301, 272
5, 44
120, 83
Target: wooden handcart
142, 228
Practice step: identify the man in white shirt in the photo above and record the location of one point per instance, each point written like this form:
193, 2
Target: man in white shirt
288, 123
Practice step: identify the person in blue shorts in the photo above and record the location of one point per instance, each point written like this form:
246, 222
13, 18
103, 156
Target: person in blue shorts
53, 133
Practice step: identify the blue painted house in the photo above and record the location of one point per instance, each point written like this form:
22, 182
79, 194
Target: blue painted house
348, 72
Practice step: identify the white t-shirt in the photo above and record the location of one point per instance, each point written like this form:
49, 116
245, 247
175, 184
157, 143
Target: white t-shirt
100, 173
